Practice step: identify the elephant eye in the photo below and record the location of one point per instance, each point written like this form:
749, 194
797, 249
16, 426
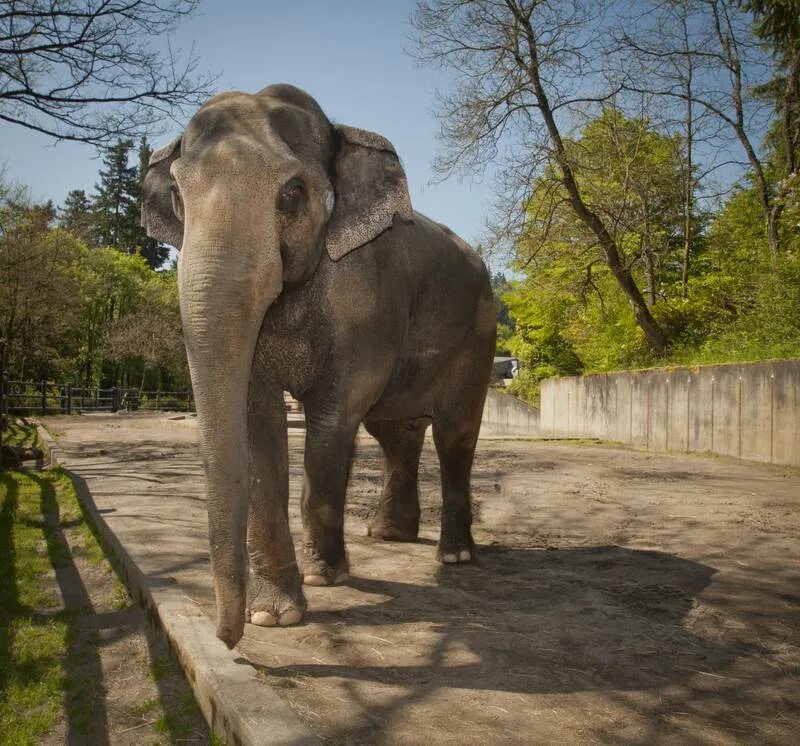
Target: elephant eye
291, 197
177, 202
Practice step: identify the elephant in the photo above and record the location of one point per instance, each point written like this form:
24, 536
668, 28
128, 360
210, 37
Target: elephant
302, 267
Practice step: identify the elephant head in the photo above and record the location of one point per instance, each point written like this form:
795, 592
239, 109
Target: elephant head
253, 194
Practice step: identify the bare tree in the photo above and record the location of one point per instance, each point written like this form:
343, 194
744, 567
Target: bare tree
88, 70
524, 66
713, 64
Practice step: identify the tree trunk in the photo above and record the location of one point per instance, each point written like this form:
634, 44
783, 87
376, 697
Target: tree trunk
688, 194
654, 334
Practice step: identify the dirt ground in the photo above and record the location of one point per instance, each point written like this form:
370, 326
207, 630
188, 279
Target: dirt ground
620, 597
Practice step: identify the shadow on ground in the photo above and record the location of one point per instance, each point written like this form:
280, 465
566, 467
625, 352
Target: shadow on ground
620, 627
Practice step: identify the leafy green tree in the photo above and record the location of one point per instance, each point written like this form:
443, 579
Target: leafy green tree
111, 287
150, 339
569, 310
505, 322
38, 296
777, 24
524, 69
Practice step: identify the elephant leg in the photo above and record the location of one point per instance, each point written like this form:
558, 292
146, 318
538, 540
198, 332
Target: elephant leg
327, 467
456, 425
274, 594
397, 518
456, 452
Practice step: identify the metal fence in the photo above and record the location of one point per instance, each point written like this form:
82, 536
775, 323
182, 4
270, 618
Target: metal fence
45, 398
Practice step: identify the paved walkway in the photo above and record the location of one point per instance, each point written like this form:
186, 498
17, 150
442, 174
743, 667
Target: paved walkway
621, 596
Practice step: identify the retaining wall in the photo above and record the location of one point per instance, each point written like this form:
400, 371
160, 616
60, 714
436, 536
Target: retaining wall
503, 414
746, 410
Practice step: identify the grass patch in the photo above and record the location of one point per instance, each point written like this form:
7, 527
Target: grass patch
19, 435
120, 598
50, 656
32, 643
36, 632
161, 667
174, 722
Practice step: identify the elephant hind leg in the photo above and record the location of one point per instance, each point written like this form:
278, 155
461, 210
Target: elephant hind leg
456, 425
456, 451
397, 518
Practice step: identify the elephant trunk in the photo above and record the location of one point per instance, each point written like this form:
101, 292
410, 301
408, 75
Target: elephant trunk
223, 303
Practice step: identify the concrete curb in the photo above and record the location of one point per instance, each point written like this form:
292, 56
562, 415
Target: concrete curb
238, 705
49, 446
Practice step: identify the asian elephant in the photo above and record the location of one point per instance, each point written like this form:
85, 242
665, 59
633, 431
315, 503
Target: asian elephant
303, 268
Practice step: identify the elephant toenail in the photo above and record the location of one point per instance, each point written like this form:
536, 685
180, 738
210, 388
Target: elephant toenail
464, 555
263, 619
450, 559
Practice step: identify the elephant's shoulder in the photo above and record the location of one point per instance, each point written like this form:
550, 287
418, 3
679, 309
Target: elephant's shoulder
447, 237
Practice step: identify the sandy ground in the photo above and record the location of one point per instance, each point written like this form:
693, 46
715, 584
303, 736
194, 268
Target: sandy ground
620, 596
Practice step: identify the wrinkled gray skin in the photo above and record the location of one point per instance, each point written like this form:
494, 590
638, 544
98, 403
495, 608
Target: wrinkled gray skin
304, 268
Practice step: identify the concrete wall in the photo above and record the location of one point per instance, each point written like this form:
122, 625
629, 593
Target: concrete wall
505, 415
747, 410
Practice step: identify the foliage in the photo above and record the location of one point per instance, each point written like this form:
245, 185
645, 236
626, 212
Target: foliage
609, 125
570, 313
151, 335
505, 323
742, 301
116, 205
65, 307
76, 216
38, 288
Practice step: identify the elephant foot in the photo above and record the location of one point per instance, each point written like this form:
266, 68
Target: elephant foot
318, 572
270, 605
455, 554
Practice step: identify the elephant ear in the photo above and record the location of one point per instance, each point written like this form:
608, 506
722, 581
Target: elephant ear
158, 217
370, 189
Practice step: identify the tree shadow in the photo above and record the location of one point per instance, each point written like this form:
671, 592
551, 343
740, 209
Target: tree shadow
610, 622
181, 720
84, 699
9, 601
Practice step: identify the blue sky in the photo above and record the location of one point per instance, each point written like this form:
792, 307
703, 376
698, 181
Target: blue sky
349, 54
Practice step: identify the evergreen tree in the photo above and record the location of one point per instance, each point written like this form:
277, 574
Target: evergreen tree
77, 216
117, 204
115, 198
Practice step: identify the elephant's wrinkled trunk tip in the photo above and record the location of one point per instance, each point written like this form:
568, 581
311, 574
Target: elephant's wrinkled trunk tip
229, 635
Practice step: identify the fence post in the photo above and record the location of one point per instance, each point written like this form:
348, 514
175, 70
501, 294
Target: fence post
158, 397
43, 392
114, 402
69, 398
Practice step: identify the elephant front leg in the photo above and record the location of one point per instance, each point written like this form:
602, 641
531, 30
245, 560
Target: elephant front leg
274, 595
327, 467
